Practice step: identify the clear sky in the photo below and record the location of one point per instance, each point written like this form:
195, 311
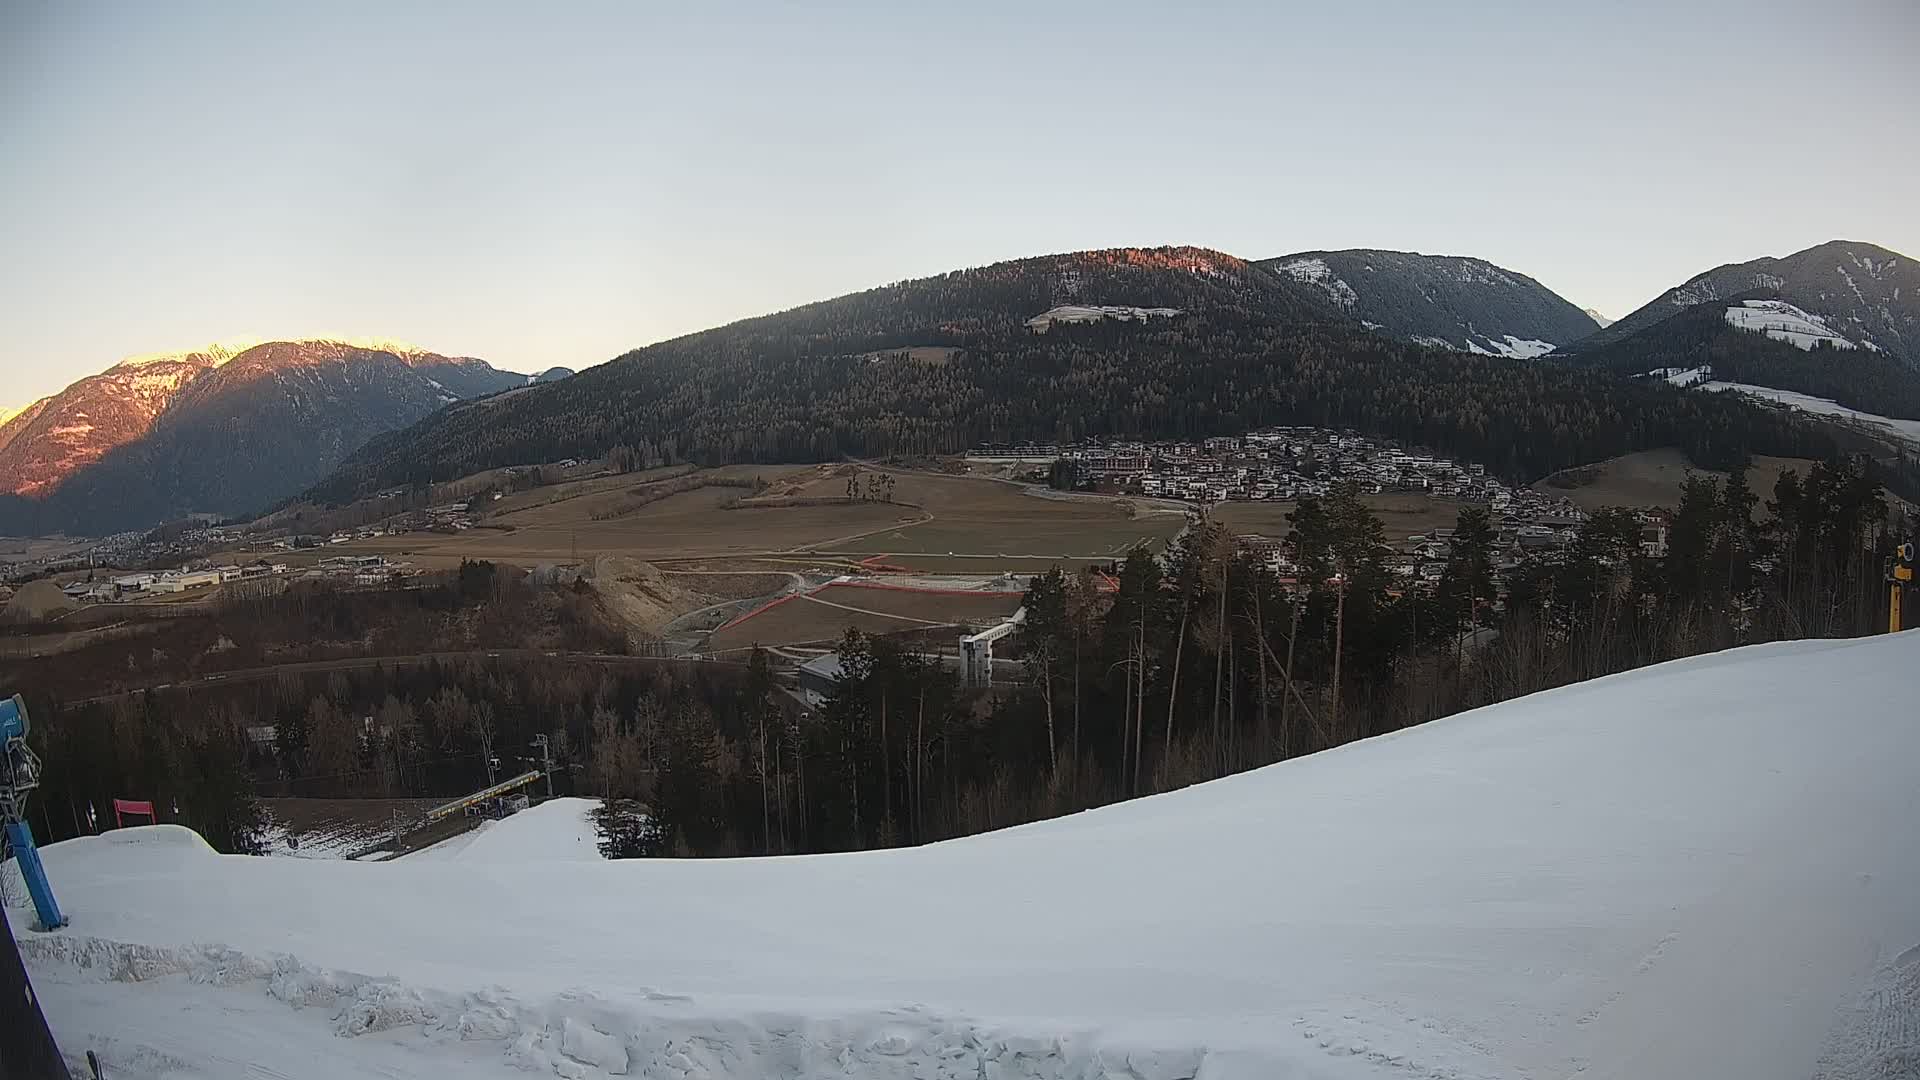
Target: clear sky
543, 184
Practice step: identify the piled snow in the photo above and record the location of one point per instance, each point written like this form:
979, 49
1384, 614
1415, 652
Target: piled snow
1905, 430
1317, 272
1508, 345
1783, 322
1081, 313
556, 830
1703, 869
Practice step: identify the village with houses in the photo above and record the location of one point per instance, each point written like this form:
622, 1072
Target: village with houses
1285, 464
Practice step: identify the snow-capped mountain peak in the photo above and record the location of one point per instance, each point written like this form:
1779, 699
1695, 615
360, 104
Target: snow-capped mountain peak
224, 428
212, 354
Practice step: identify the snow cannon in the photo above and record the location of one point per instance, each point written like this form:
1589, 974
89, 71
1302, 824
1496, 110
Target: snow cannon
19, 775
1900, 577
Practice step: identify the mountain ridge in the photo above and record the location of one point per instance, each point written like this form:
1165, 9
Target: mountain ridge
1865, 292
1162, 342
1446, 301
223, 429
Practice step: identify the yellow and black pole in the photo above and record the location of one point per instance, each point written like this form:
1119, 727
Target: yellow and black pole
1899, 579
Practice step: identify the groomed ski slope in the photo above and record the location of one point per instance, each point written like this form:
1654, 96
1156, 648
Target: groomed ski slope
557, 830
1704, 869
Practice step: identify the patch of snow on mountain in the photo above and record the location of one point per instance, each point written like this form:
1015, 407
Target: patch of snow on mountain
1681, 377
162, 382
1698, 291
1600, 320
1083, 313
1875, 269
219, 352
1700, 869
1316, 272
1432, 342
1783, 322
1473, 272
1905, 430
1508, 345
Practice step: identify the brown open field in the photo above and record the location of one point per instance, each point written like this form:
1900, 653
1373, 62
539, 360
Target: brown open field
955, 515
826, 615
994, 564
1401, 515
24, 548
1653, 478
684, 525
933, 607
973, 516
522, 501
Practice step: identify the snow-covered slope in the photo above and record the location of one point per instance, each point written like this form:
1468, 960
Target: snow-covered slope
1705, 869
1783, 322
560, 829
1081, 313
1906, 431
1598, 319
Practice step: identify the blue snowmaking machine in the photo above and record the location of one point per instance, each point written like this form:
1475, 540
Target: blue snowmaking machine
19, 775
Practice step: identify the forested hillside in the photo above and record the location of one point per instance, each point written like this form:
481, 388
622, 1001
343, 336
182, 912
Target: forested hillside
1246, 348
222, 431
1460, 303
1701, 336
1867, 293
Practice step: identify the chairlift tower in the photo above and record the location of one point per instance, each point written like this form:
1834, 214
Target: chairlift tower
19, 775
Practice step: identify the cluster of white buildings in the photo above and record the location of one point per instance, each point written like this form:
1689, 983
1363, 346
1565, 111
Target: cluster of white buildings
149, 582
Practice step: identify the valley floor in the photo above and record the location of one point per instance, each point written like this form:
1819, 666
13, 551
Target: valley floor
1700, 869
